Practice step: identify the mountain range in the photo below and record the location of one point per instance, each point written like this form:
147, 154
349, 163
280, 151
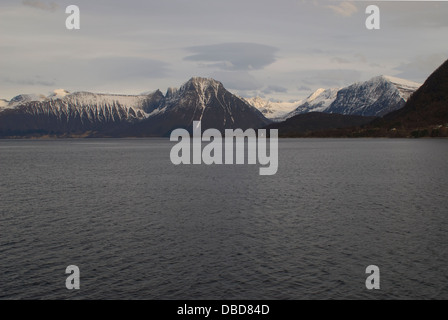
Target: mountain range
153, 114
89, 114
375, 97
425, 114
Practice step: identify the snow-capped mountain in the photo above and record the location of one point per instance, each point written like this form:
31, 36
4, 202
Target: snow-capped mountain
274, 111
375, 97
125, 115
318, 101
24, 98
200, 99
21, 99
91, 107
75, 112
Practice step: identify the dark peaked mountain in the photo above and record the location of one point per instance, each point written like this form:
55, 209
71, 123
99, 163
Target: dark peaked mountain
204, 100
427, 109
119, 115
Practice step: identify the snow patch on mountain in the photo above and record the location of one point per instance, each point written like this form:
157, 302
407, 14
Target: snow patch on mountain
405, 87
202, 84
171, 93
25, 98
90, 99
270, 109
318, 101
321, 99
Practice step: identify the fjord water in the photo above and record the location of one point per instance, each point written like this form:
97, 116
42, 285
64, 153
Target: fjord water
139, 227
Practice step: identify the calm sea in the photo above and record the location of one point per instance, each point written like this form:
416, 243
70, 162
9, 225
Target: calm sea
139, 227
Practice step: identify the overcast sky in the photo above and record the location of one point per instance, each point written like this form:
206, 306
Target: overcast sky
280, 49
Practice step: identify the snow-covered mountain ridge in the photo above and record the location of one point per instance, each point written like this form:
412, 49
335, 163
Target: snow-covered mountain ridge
375, 97
88, 107
270, 109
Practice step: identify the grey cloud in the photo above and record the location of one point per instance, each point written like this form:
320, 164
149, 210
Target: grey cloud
418, 14
233, 56
304, 88
127, 67
324, 52
251, 94
360, 57
357, 57
339, 60
41, 5
36, 81
274, 89
237, 80
96, 72
331, 77
314, 51
345, 9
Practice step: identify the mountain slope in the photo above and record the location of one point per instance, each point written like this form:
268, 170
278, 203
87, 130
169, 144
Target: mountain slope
319, 101
426, 109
